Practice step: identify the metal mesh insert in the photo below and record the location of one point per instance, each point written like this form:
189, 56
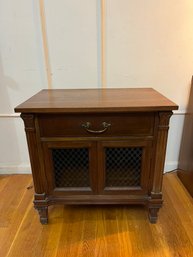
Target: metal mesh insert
71, 167
123, 167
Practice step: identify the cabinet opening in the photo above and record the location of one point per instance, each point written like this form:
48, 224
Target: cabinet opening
123, 166
71, 167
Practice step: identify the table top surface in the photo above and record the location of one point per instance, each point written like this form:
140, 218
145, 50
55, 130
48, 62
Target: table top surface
96, 100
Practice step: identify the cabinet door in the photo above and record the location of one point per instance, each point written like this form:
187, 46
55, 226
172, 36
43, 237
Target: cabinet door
124, 166
70, 167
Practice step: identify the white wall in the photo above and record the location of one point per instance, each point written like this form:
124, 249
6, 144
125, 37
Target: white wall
150, 43
72, 40
146, 43
21, 75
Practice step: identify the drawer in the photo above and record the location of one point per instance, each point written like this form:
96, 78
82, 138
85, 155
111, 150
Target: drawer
78, 125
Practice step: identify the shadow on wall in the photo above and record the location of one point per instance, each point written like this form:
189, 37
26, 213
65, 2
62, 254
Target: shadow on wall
9, 148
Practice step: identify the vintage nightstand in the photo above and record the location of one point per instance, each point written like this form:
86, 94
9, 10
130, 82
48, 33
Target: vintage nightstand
97, 146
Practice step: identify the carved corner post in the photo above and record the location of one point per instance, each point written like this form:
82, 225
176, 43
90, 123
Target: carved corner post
155, 201
40, 200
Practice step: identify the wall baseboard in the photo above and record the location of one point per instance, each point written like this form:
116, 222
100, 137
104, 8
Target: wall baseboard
15, 169
170, 166
26, 169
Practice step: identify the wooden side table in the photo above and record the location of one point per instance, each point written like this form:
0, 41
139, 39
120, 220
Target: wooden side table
97, 146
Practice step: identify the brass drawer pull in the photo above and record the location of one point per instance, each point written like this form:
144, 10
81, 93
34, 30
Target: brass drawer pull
88, 125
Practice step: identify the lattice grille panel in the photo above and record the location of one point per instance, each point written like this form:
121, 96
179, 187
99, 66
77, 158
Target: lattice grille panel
123, 167
71, 167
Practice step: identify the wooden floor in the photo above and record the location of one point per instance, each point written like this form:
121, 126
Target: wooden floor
94, 231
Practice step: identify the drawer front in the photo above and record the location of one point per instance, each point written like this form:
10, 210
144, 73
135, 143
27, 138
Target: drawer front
78, 125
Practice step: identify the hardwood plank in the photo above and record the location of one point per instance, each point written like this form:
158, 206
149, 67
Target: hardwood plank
171, 219
27, 236
9, 202
71, 237
47, 244
110, 229
89, 235
100, 240
185, 200
15, 199
142, 242
4, 179
98, 231
183, 204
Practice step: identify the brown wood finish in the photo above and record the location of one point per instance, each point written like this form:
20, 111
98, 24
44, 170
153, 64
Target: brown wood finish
155, 202
83, 231
136, 118
96, 100
70, 125
185, 171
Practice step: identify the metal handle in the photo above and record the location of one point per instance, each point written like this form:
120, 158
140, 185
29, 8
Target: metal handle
87, 126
